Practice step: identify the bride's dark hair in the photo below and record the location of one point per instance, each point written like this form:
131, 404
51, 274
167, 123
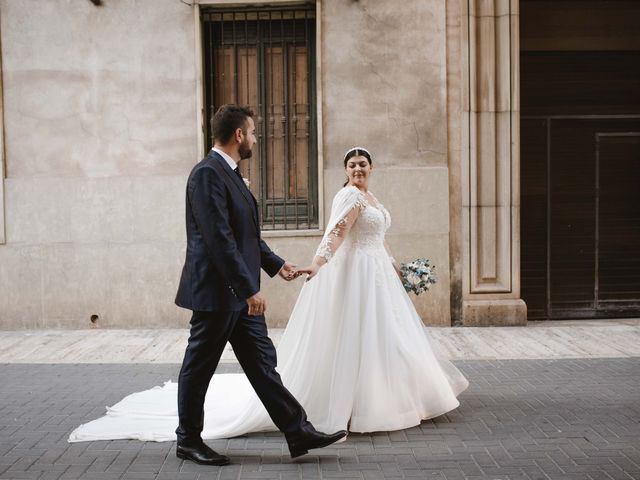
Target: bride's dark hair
356, 152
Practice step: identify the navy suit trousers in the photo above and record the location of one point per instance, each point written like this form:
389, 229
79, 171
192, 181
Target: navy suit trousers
253, 348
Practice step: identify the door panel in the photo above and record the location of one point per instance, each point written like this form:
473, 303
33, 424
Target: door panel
533, 215
580, 217
619, 220
572, 219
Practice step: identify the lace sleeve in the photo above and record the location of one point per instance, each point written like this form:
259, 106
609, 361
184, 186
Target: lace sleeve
332, 241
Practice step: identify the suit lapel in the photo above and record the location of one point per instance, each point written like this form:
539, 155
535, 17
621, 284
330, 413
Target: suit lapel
237, 181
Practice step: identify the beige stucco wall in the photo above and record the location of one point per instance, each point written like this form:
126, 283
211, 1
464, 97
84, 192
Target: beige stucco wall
385, 88
101, 128
99, 134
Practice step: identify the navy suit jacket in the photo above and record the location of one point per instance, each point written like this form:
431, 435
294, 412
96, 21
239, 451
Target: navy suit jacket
224, 248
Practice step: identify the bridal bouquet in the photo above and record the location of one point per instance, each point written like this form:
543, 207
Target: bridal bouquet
418, 275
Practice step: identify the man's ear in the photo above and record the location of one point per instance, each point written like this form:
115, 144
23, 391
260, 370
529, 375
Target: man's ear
239, 134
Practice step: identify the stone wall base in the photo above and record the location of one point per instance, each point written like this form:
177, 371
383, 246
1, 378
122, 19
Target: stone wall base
499, 313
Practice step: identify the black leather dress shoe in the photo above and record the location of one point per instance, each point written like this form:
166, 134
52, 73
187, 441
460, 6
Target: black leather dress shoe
201, 454
300, 444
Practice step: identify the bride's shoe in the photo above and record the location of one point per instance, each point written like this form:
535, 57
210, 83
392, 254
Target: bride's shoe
300, 444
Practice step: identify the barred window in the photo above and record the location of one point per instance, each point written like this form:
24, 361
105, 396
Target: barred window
264, 58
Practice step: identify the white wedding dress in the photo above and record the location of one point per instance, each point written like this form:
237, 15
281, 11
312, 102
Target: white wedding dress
355, 353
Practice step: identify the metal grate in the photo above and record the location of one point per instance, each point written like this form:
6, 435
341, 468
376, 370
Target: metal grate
264, 58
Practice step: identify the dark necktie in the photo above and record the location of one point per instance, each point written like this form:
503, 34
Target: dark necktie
237, 170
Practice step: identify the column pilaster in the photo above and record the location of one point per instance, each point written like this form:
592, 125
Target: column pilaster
490, 165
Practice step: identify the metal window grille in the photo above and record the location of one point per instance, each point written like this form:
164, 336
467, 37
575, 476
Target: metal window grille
264, 58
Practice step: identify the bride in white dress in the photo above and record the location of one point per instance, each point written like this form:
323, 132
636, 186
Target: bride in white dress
355, 353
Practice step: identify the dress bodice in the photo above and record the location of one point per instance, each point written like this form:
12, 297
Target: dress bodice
356, 222
369, 228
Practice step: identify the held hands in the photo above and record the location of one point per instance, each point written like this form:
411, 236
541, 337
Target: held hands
289, 271
257, 303
312, 270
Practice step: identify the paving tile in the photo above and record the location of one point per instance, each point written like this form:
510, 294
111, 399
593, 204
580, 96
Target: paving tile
520, 419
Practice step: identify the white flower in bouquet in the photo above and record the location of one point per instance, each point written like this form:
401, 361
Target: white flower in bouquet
418, 275
413, 278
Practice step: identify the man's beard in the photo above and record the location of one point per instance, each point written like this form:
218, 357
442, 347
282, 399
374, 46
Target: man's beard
244, 150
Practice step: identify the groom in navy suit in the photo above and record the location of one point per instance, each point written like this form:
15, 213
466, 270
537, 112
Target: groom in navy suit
220, 283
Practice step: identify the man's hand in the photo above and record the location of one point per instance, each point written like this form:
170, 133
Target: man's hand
289, 271
257, 304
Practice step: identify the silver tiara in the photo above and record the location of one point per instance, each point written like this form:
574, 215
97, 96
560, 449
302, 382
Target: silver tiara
362, 149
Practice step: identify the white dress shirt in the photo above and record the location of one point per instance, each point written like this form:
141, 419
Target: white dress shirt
230, 161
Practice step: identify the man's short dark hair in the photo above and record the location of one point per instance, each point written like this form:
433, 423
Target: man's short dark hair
227, 120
